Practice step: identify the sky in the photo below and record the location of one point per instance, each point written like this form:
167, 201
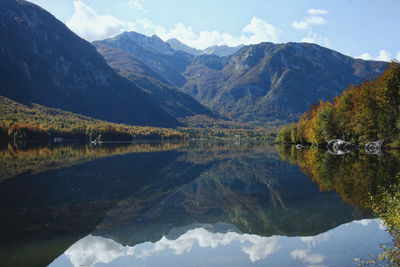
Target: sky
367, 29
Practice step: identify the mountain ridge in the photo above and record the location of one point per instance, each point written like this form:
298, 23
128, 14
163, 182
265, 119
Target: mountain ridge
217, 50
269, 80
179, 104
261, 82
42, 61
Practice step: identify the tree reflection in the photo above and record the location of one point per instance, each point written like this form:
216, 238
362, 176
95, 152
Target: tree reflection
361, 179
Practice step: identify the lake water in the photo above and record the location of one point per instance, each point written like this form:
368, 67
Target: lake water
187, 204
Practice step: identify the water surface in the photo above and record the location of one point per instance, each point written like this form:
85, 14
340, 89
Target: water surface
180, 204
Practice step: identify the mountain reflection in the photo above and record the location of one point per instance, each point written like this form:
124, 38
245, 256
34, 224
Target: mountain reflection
138, 193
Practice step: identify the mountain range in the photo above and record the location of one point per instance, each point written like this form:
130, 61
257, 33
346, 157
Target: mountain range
261, 82
217, 50
141, 80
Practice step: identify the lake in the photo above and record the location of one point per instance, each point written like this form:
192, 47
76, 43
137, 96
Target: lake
203, 203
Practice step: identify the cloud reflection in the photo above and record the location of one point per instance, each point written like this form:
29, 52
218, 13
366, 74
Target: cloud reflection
256, 247
307, 257
93, 249
310, 251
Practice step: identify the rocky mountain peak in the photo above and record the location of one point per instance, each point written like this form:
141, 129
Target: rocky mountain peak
153, 43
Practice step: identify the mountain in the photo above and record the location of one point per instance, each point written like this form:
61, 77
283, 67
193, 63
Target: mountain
42, 61
258, 83
269, 81
180, 105
155, 53
178, 45
221, 50
217, 50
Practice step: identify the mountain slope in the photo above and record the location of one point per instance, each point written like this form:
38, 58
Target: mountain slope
170, 98
178, 45
42, 61
154, 52
258, 83
221, 50
268, 81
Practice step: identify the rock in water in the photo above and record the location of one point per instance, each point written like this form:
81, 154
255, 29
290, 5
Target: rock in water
340, 147
374, 147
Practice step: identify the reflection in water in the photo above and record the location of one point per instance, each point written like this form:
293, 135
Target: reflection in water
354, 176
92, 249
118, 198
333, 248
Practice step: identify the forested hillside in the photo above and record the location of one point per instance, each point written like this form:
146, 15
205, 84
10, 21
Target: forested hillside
362, 113
21, 123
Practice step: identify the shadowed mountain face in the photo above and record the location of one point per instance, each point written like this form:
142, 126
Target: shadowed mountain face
42, 61
260, 82
177, 103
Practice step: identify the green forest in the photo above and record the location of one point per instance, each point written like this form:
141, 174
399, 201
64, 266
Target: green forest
362, 113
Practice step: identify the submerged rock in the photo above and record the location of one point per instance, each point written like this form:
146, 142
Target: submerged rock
340, 147
374, 147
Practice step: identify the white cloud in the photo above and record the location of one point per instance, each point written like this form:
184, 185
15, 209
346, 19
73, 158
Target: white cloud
314, 11
308, 22
306, 256
312, 37
398, 56
256, 31
383, 56
300, 25
89, 25
138, 4
365, 56
259, 31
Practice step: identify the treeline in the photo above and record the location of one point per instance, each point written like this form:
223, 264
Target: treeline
265, 134
20, 123
362, 113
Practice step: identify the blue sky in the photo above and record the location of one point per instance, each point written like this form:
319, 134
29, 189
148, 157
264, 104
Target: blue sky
359, 28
